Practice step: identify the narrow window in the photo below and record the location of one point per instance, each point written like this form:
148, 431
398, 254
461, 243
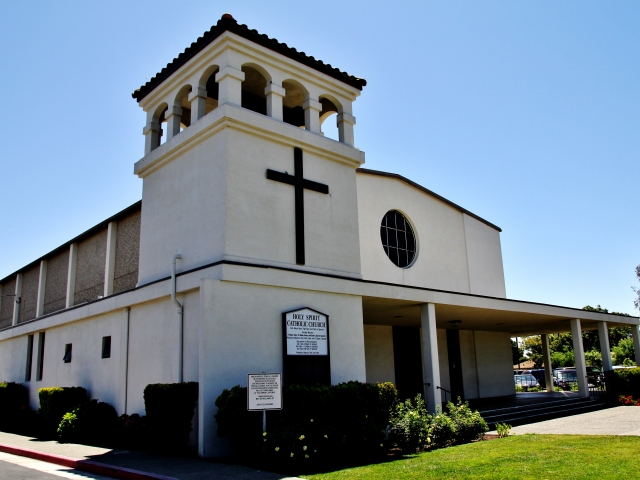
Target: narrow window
40, 356
106, 347
67, 353
27, 374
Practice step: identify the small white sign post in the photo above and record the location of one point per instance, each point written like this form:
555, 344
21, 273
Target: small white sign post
264, 392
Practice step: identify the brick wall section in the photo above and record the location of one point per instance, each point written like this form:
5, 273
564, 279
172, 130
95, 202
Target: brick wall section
29, 296
6, 307
55, 293
90, 266
127, 253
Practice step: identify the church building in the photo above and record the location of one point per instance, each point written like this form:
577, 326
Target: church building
260, 245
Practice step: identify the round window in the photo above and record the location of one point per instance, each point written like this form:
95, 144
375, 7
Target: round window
398, 239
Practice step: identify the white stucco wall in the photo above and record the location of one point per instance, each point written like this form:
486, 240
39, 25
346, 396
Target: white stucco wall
455, 251
484, 255
183, 210
242, 333
378, 352
261, 212
495, 370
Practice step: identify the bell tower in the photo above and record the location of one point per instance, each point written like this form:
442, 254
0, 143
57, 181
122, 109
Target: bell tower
236, 167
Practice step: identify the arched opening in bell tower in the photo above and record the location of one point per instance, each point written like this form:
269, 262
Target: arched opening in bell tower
292, 111
211, 86
329, 117
253, 89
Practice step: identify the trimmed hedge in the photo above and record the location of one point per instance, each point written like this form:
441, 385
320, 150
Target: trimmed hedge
317, 422
55, 402
91, 422
625, 381
170, 408
14, 406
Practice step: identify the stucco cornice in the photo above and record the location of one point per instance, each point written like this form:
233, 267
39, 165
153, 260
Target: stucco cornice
230, 116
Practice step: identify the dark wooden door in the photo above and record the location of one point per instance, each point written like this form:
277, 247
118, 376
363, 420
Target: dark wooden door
455, 364
407, 357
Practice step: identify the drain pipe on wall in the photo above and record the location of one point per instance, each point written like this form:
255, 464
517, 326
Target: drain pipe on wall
180, 312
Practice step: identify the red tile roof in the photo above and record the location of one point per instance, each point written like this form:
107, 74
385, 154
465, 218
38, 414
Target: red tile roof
228, 24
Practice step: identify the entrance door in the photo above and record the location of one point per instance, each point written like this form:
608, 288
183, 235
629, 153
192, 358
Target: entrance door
455, 364
407, 357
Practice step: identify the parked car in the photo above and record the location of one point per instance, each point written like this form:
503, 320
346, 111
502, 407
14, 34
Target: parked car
526, 381
539, 374
564, 378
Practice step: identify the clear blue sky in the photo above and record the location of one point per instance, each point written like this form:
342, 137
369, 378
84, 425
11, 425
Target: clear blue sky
526, 113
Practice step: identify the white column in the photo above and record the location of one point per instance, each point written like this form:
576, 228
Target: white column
546, 357
603, 334
151, 134
110, 262
312, 109
173, 117
430, 361
275, 93
42, 285
230, 85
578, 353
635, 334
345, 128
71, 275
198, 101
17, 299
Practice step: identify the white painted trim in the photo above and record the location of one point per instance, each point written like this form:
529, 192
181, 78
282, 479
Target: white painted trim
17, 300
71, 275
42, 285
110, 261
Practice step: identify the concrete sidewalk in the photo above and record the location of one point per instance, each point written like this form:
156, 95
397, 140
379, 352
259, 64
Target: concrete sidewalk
610, 421
178, 467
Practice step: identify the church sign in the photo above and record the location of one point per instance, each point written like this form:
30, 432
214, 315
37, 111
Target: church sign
305, 347
264, 391
307, 333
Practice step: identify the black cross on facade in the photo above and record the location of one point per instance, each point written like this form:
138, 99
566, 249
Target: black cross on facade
299, 183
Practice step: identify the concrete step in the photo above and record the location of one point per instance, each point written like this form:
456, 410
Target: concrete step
562, 402
540, 413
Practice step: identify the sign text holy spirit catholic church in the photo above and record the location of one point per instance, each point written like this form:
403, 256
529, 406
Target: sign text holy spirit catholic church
306, 356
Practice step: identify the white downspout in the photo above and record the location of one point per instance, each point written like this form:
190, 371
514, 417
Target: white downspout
180, 311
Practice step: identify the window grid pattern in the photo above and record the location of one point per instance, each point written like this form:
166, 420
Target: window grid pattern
398, 239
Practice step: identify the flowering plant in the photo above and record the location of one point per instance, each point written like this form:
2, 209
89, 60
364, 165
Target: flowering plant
628, 400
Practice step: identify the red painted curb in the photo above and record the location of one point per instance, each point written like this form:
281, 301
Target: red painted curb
84, 465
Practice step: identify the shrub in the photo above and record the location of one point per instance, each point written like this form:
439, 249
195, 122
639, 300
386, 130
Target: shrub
91, 422
55, 402
14, 405
442, 431
409, 425
170, 408
623, 382
349, 419
503, 429
469, 425
131, 431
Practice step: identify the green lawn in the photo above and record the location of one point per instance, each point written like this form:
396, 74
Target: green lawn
522, 457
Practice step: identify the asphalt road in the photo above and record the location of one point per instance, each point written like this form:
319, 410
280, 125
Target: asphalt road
13, 467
